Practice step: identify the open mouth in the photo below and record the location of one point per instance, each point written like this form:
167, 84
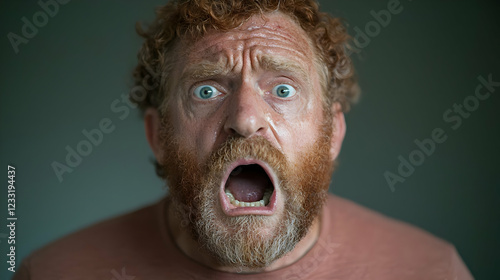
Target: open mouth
248, 188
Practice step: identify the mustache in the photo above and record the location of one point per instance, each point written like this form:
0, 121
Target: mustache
257, 147
181, 167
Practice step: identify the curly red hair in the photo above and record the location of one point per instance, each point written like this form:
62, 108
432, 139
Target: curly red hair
181, 18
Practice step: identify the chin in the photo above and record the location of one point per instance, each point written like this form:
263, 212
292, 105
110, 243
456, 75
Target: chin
244, 240
251, 241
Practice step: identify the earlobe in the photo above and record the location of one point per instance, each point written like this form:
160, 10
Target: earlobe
152, 126
339, 129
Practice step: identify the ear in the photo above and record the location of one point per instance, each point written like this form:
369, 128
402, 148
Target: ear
152, 127
339, 129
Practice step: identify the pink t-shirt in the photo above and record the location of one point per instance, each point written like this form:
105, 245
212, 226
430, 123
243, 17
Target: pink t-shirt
354, 243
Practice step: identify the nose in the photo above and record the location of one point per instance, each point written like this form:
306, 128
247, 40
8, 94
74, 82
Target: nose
246, 113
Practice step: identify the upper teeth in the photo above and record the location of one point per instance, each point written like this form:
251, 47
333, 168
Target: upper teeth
263, 202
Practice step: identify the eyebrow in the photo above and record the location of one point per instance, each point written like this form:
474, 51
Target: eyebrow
278, 64
207, 69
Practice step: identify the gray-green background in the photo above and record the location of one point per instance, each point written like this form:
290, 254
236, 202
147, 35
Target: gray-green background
426, 59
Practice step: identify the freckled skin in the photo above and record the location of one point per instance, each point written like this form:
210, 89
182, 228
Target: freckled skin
246, 107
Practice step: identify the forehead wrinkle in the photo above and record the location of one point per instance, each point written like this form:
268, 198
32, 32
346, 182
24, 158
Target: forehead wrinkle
249, 39
301, 53
244, 38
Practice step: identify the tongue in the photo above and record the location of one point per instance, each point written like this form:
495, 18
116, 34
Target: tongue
249, 185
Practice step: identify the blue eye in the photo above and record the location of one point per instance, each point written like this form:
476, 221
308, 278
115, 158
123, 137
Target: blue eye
206, 92
284, 91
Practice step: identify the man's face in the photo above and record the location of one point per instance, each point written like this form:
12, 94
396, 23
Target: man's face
246, 140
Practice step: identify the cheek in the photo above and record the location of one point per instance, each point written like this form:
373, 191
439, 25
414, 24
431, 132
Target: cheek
206, 137
197, 135
300, 137
299, 132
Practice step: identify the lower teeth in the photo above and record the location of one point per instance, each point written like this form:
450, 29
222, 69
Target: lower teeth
263, 202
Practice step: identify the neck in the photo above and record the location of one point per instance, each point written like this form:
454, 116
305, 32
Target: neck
190, 247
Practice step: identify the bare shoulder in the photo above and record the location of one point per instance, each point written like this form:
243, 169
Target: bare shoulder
101, 248
365, 236
354, 221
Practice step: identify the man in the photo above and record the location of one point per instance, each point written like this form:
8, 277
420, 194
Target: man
244, 114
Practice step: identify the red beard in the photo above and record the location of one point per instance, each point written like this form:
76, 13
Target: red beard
251, 241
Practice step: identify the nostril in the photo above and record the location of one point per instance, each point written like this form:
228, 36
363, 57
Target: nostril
245, 116
232, 132
246, 128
